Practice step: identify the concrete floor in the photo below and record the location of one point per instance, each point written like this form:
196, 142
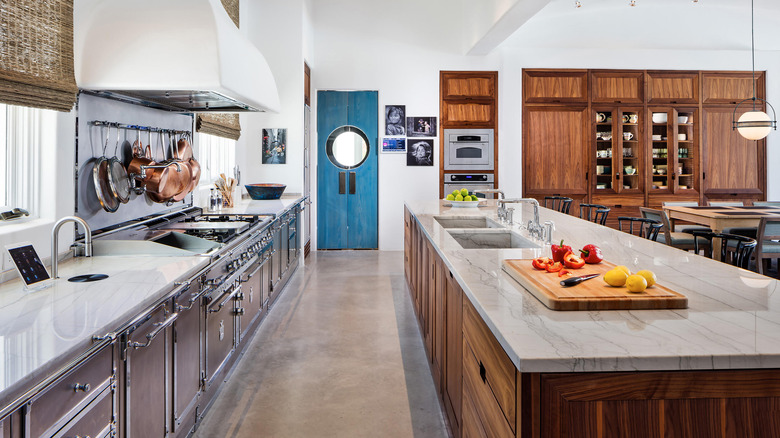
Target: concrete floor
340, 355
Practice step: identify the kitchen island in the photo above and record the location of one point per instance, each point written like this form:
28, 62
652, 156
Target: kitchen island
586, 373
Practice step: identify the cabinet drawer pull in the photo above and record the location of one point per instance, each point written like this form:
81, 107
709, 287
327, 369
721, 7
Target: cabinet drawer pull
482, 372
79, 387
160, 327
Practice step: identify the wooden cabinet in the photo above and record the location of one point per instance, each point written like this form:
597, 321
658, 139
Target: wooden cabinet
615, 86
674, 156
732, 165
555, 86
619, 151
469, 99
730, 88
452, 388
672, 87
554, 145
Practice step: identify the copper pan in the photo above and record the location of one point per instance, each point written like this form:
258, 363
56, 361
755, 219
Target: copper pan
184, 148
182, 178
160, 186
140, 158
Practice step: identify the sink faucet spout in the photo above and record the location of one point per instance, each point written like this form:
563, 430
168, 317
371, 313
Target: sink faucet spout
55, 240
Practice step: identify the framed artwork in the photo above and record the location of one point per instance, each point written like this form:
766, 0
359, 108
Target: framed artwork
275, 146
420, 152
421, 127
393, 145
394, 119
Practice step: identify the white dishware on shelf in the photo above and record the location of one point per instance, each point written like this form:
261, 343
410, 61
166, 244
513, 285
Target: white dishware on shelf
682, 136
656, 137
628, 136
660, 117
682, 119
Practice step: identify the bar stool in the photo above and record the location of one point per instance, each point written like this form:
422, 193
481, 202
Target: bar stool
559, 203
595, 212
734, 249
647, 228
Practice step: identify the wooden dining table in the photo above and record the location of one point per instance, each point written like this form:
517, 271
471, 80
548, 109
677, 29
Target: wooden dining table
719, 218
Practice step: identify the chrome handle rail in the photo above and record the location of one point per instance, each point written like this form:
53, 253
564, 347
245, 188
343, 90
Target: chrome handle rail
151, 335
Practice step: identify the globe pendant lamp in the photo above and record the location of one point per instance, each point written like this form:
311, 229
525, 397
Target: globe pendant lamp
755, 124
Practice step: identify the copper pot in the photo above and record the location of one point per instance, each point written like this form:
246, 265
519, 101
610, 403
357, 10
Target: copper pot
184, 149
140, 158
185, 179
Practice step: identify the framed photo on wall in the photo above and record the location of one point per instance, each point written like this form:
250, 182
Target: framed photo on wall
394, 119
419, 152
421, 127
275, 146
393, 145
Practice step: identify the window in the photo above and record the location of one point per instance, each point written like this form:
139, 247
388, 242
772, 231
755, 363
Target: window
21, 156
216, 155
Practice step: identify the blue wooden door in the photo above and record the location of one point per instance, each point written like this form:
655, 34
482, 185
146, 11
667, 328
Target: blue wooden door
347, 191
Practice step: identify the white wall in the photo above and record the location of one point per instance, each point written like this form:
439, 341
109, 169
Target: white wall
398, 49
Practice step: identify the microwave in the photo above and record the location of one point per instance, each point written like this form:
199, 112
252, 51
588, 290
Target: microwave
468, 149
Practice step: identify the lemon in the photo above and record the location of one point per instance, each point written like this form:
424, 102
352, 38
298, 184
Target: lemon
624, 269
636, 283
464, 192
450, 197
459, 197
649, 276
615, 277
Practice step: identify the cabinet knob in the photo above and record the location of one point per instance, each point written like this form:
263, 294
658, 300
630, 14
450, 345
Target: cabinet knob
79, 387
239, 311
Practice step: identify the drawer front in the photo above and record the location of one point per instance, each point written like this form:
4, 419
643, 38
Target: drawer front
499, 371
96, 420
487, 411
70, 391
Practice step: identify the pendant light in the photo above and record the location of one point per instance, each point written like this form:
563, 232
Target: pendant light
755, 124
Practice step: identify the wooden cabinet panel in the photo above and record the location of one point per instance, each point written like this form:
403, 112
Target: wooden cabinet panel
494, 368
617, 86
672, 87
652, 404
554, 150
549, 86
730, 87
488, 414
472, 426
731, 163
467, 114
453, 365
469, 85
438, 321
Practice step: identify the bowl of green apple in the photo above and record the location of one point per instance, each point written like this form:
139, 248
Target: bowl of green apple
462, 198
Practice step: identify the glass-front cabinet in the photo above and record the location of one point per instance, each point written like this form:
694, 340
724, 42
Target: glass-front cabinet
674, 152
619, 150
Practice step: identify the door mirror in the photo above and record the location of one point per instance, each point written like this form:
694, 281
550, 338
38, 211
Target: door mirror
347, 147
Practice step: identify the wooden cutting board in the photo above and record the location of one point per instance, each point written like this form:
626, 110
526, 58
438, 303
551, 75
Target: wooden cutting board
593, 294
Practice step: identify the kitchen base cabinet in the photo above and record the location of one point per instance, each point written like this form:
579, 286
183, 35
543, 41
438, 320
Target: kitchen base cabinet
186, 358
12, 426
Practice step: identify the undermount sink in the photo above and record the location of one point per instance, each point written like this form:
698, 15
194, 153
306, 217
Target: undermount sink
466, 222
491, 239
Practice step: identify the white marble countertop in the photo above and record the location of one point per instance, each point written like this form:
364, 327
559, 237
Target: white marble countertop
271, 206
38, 329
733, 319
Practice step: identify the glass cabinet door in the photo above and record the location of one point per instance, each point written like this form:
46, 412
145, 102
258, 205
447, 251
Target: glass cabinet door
605, 150
687, 151
661, 159
631, 149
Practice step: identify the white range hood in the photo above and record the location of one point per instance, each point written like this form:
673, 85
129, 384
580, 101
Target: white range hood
177, 55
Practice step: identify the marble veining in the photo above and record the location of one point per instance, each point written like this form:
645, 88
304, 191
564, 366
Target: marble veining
733, 318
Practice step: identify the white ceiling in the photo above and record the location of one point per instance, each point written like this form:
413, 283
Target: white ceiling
651, 24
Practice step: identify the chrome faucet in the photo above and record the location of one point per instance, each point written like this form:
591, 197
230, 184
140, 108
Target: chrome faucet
55, 243
534, 227
490, 191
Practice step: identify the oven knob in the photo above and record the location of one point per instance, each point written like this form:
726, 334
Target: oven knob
484, 177
240, 296
452, 177
239, 311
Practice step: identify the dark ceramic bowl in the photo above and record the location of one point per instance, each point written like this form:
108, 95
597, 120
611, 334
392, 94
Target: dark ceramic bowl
265, 191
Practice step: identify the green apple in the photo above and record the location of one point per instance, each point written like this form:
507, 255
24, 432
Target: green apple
459, 197
455, 192
464, 192
450, 197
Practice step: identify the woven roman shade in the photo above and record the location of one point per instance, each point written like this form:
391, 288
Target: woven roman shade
231, 6
219, 124
36, 54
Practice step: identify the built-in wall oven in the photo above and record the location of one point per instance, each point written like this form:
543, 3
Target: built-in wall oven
468, 149
470, 181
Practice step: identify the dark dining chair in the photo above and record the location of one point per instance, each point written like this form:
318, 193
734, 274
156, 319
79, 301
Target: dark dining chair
678, 239
734, 249
768, 247
639, 226
558, 203
594, 212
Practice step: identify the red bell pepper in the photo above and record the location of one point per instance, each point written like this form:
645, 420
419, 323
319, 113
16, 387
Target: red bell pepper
563, 272
541, 263
554, 267
591, 254
571, 261
558, 251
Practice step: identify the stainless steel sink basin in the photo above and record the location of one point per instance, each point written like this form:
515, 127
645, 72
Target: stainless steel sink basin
466, 222
490, 239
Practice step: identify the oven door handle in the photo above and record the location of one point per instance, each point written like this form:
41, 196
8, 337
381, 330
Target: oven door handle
225, 301
151, 335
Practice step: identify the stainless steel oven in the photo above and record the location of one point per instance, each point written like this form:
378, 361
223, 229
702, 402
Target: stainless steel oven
468, 149
470, 181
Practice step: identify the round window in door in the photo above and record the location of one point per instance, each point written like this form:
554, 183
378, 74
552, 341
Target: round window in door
347, 147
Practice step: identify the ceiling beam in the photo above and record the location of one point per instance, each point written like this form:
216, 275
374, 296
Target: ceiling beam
504, 26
